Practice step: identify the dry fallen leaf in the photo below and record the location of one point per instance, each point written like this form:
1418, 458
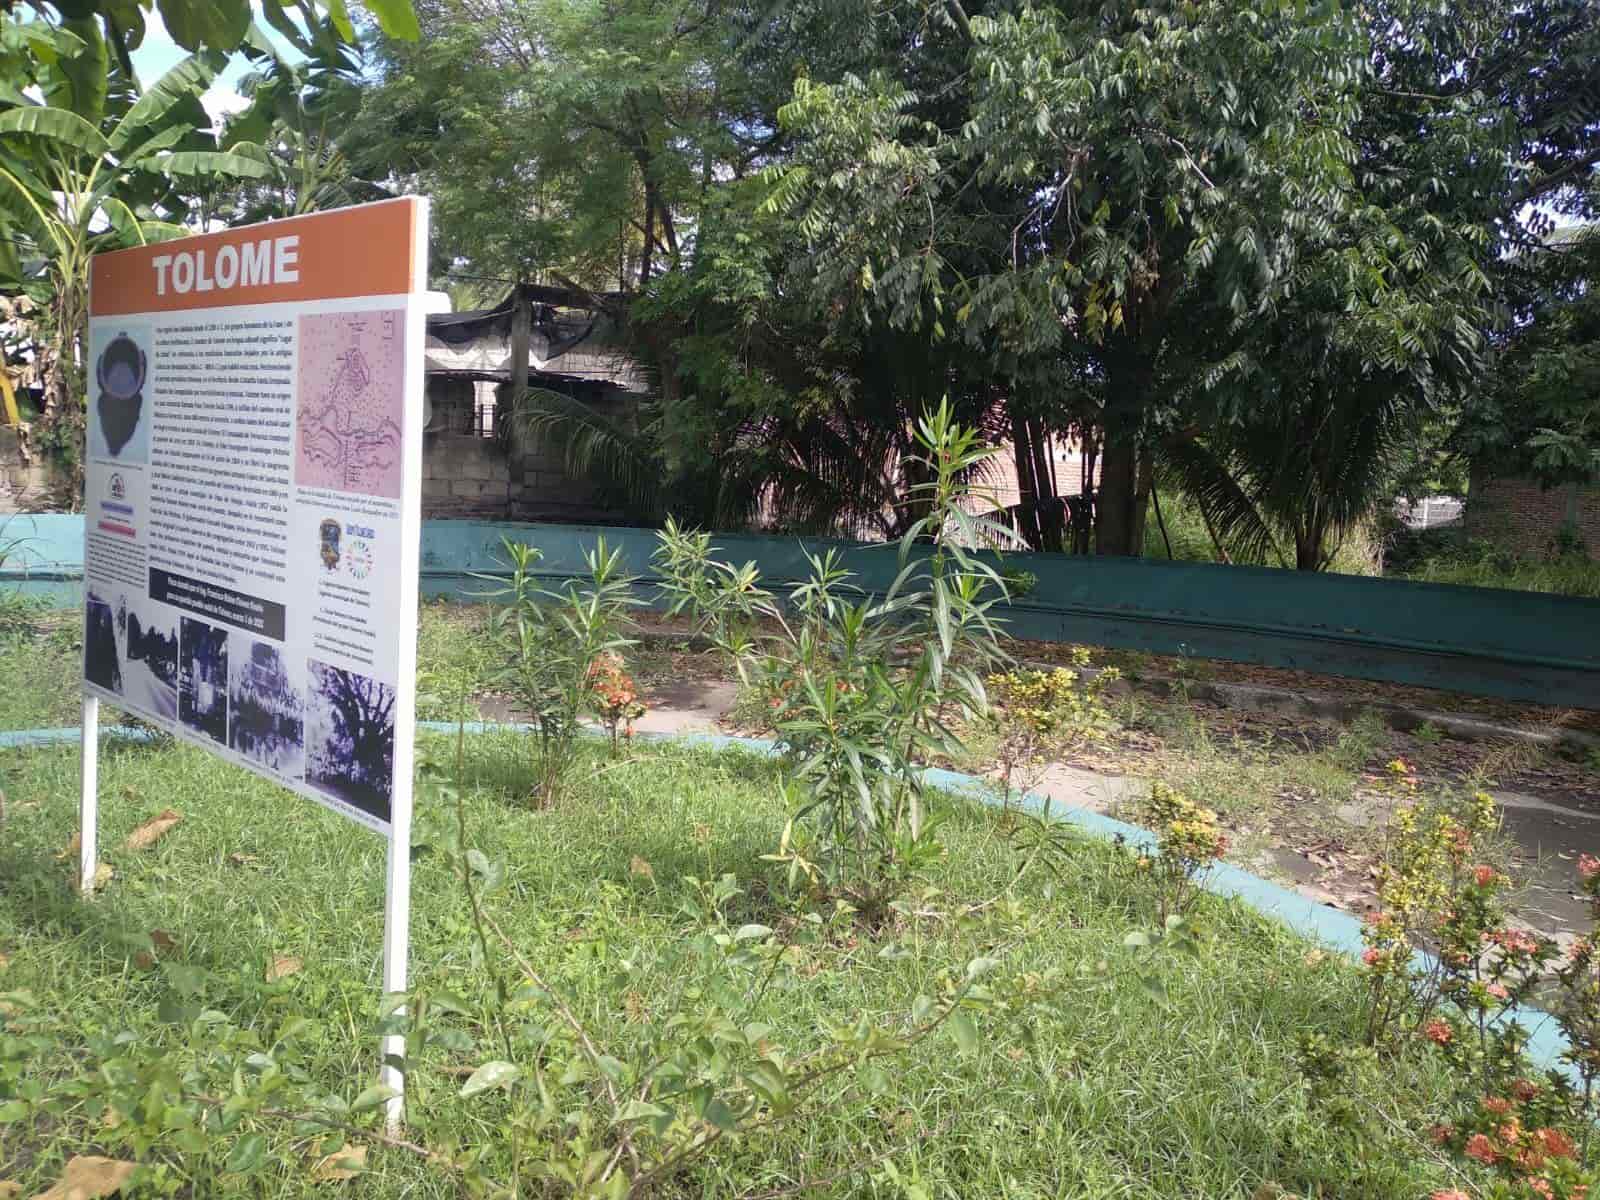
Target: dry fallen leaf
102, 876
162, 944
346, 1164
638, 866
240, 860
90, 1177
153, 830
282, 967
71, 849
9, 1190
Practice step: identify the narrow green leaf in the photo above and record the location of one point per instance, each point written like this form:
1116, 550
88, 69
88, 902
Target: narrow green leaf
640, 1110
373, 1097
494, 1074
247, 1153
966, 1032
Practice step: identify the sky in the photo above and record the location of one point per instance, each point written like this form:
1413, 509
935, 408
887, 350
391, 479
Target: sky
158, 53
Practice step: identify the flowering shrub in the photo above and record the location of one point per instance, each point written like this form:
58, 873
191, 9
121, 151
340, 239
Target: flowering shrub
614, 696
1431, 887
1435, 890
1577, 1000
552, 641
1517, 1134
1189, 840
1038, 715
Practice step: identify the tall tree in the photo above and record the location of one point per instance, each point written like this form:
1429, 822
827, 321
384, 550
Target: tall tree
1121, 168
1244, 218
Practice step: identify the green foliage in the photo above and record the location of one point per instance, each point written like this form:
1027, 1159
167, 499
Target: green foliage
118, 26
1483, 564
553, 640
994, 1102
863, 687
90, 168
1188, 841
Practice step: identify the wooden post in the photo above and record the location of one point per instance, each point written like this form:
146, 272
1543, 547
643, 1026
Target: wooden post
521, 329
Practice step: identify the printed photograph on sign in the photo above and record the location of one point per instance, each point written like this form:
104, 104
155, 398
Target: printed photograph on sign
149, 639
102, 659
350, 738
266, 706
351, 402
120, 360
203, 685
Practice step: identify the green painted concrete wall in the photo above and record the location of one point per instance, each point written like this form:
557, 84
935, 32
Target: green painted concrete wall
1514, 645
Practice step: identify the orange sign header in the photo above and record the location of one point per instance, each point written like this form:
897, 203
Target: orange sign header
363, 251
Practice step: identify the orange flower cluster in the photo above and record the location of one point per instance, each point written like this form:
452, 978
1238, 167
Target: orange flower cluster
1510, 1134
616, 696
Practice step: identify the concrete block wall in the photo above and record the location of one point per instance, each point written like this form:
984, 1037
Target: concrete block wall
468, 476
24, 487
1524, 518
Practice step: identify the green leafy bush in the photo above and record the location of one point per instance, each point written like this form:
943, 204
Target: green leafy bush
553, 640
863, 688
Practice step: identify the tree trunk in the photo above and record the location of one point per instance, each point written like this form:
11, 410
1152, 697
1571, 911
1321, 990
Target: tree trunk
1308, 538
1051, 520
1118, 526
1027, 494
517, 447
1125, 468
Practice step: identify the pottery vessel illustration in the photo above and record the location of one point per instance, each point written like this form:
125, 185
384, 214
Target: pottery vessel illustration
120, 372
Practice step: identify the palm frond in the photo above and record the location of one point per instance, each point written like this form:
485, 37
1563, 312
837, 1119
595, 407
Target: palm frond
1234, 517
593, 446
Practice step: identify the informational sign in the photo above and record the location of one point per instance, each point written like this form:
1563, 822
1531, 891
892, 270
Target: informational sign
253, 515
252, 495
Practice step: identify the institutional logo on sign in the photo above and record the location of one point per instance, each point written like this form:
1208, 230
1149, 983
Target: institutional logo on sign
360, 558
117, 488
330, 531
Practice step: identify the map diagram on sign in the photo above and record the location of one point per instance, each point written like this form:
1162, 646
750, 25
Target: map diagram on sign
352, 402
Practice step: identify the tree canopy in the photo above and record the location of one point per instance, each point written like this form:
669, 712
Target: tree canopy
1283, 257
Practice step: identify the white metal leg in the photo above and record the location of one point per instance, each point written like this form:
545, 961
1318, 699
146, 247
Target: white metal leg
89, 801
396, 937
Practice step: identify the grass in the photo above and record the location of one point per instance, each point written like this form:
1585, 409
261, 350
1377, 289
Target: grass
455, 659
1479, 566
41, 666
1188, 1090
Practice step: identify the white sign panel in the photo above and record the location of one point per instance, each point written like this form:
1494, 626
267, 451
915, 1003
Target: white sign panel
253, 497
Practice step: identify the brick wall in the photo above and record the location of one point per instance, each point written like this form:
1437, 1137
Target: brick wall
1521, 516
468, 476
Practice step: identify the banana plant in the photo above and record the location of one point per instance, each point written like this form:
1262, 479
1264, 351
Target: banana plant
88, 164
